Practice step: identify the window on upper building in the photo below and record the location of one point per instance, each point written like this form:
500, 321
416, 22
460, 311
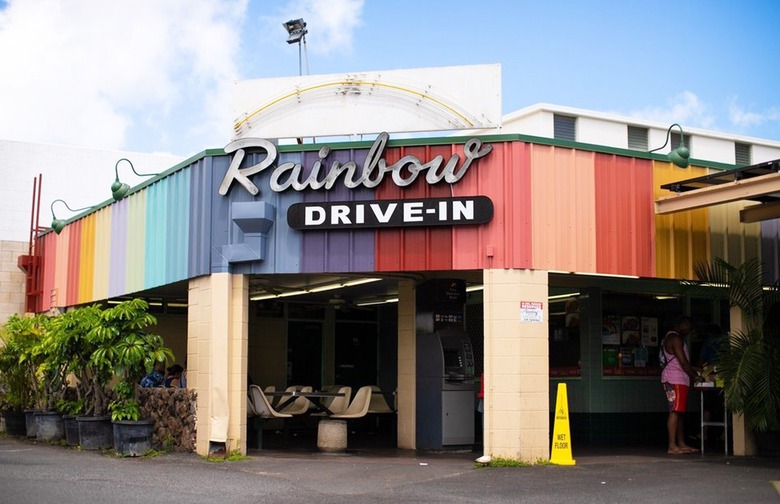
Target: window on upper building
742, 154
675, 141
564, 127
637, 138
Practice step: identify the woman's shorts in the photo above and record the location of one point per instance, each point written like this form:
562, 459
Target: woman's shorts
676, 397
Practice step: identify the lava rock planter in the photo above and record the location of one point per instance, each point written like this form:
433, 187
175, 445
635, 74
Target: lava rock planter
49, 426
95, 432
133, 438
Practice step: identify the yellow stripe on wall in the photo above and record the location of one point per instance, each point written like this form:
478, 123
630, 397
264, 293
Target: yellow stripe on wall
102, 253
86, 260
681, 238
730, 239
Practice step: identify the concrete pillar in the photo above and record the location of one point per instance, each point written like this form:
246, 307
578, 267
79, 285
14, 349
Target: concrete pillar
744, 442
516, 363
406, 398
217, 350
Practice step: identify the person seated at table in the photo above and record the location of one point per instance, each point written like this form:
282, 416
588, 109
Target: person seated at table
155, 378
173, 379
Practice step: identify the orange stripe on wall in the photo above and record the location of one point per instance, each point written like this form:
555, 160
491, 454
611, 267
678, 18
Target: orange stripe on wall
563, 209
625, 231
74, 263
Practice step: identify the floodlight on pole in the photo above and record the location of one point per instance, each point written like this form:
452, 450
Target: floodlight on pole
296, 33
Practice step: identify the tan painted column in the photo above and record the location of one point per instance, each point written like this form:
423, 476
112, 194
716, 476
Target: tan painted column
516, 363
407, 374
744, 443
217, 349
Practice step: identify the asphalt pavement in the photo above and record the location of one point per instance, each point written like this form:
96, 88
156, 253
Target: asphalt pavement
33, 472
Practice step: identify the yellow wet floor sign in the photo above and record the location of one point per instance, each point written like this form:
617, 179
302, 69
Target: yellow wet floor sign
560, 453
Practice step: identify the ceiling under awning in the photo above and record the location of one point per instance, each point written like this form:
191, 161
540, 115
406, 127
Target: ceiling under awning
759, 182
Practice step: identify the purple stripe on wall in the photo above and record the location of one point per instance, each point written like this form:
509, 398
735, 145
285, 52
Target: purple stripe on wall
338, 251
118, 251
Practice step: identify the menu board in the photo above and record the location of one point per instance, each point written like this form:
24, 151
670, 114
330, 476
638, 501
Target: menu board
625, 339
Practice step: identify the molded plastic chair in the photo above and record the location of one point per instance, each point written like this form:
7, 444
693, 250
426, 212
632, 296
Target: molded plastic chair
299, 406
269, 393
359, 405
378, 402
250, 407
262, 406
336, 404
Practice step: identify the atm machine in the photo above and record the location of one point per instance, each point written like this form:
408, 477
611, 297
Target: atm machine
445, 367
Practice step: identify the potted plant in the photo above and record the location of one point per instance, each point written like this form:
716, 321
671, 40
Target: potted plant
133, 352
16, 393
69, 339
748, 361
24, 346
85, 413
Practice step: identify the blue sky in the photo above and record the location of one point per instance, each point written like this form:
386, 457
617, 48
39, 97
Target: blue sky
156, 76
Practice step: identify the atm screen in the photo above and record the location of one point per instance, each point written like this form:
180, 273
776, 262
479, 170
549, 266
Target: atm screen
452, 360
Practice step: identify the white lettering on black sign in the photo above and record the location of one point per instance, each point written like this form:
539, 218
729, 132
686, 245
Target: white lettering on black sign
391, 213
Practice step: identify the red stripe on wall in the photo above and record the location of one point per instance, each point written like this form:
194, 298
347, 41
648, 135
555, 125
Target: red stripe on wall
625, 229
49, 245
74, 263
410, 249
504, 176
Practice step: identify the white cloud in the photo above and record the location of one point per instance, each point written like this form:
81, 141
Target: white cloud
742, 118
93, 73
331, 23
684, 108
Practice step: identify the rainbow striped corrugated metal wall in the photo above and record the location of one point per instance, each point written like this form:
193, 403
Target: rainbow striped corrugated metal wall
556, 208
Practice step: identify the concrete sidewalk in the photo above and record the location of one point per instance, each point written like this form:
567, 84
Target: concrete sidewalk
32, 472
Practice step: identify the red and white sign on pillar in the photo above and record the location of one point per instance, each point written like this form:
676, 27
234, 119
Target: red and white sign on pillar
531, 312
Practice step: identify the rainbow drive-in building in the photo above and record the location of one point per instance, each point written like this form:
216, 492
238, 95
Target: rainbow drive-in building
305, 262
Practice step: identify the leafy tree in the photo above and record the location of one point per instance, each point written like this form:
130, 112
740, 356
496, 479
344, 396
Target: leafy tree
750, 358
124, 346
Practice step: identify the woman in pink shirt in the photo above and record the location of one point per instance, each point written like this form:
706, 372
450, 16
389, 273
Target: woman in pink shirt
676, 378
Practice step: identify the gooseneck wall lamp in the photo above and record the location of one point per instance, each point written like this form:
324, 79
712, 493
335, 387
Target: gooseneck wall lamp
57, 224
119, 189
681, 155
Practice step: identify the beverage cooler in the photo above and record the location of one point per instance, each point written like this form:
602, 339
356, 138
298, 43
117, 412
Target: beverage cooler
445, 367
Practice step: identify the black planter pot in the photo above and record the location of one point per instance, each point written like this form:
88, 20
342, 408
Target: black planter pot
768, 443
133, 438
95, 433
31, 428
49, 426
15, 424
71, 429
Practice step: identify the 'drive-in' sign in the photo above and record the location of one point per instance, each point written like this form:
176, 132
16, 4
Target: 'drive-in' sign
391, 213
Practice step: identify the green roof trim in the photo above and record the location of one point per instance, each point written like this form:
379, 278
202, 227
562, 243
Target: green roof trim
415, 142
